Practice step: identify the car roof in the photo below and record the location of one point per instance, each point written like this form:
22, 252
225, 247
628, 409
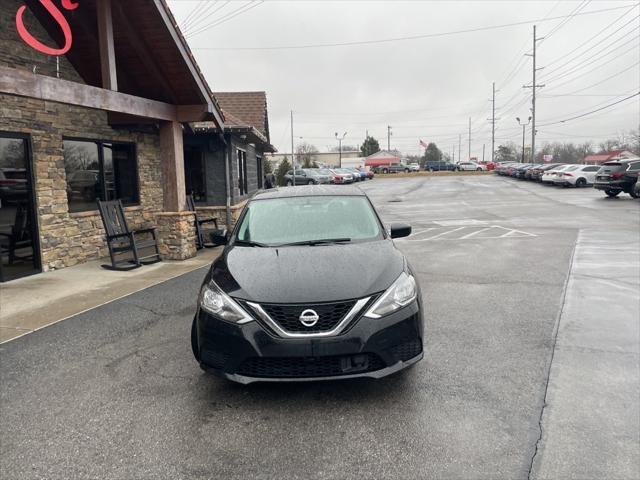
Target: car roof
310, 191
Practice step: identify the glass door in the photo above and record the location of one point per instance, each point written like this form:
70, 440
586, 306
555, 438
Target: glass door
19, 254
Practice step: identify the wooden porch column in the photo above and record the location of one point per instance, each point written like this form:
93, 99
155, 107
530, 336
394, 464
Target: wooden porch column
172, 158
107, 50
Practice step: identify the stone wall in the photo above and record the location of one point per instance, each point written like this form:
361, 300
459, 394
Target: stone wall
71, 238
177, 233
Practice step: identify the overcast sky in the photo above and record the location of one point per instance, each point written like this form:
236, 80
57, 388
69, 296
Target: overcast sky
425, 88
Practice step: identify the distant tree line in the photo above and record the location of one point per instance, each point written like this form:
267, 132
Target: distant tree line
570, 152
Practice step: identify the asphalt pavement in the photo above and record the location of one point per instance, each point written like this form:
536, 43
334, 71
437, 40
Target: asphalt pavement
531, 367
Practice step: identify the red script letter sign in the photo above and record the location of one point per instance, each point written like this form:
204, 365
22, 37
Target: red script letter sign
33, 42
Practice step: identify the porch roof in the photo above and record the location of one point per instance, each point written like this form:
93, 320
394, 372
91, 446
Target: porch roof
153, 60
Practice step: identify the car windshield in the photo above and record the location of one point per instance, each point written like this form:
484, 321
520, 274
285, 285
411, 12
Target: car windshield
282, 221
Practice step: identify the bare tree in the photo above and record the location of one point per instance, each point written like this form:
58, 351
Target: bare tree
305, 153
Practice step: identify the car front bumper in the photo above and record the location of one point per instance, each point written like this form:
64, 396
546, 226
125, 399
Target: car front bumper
369, 348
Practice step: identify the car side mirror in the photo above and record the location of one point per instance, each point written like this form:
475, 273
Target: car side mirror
399, 230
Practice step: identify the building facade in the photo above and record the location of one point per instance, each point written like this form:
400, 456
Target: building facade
93, 106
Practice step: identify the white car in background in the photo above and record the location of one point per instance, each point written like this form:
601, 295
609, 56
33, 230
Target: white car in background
471, 166
550, 175
577, 175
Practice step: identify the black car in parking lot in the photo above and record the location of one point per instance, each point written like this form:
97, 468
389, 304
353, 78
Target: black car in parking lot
309, 287
618, 176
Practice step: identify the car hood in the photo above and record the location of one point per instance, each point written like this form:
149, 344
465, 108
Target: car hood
308, 274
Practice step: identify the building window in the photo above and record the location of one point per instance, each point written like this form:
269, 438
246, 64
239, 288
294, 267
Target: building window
99, 170
242, 172
194, 173
260, 172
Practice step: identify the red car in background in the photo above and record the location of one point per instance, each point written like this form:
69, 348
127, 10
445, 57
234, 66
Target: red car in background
489, 165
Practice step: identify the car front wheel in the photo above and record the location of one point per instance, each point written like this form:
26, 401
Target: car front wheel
581, 182
612, 193
478, 169
194, 341
289, 183
384, 170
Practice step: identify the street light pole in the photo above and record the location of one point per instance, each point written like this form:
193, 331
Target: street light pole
293, 155
523, 127
340, 147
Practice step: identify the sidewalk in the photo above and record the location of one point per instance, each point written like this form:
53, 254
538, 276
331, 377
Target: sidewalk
31, 303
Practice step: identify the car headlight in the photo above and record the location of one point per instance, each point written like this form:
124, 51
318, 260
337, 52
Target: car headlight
400, 294
215, 301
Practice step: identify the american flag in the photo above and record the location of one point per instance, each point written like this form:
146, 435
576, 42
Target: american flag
422, 144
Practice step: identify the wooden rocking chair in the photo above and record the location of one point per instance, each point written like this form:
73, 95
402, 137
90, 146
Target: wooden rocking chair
120, 239
201, 241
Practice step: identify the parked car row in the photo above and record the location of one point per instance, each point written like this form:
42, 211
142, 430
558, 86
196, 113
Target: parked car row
433, 166
320, 176
612, 177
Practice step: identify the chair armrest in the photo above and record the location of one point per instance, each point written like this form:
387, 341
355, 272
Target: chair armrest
145, 230
208, 220
119, 235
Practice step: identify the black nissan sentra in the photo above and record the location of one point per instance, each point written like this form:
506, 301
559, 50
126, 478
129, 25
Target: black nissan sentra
309, 287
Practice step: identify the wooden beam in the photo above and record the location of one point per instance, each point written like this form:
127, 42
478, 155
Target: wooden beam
107, 49
24, 83
172, 159
192, 113
188, 59
143, 50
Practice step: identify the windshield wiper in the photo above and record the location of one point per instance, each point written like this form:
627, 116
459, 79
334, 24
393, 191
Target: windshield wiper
250, 243
317, 242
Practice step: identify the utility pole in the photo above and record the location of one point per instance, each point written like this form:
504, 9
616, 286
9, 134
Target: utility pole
293, 155
469, 156
533, 87
459, 146
483, 153
453, 154
493, 122
388, 138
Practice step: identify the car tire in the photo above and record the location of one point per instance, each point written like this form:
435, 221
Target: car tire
194, 341
431, 169
478, 169
633, 193
581, 182
612, 193
385, 170
406, 170
289, 183
310, 182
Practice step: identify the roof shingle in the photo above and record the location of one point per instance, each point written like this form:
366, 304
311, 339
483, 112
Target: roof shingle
249, 107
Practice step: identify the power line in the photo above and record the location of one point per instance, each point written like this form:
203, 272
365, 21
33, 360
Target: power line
234, 13
592, 111
560, 74
208, 13
563, 57
411, 37
617, 74
573, 13
193, 13
595, 67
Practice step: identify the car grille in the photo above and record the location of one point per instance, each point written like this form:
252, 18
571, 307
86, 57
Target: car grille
406, 350
288, 316
301, 367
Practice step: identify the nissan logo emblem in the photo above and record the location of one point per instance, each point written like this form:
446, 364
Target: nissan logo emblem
309, 318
